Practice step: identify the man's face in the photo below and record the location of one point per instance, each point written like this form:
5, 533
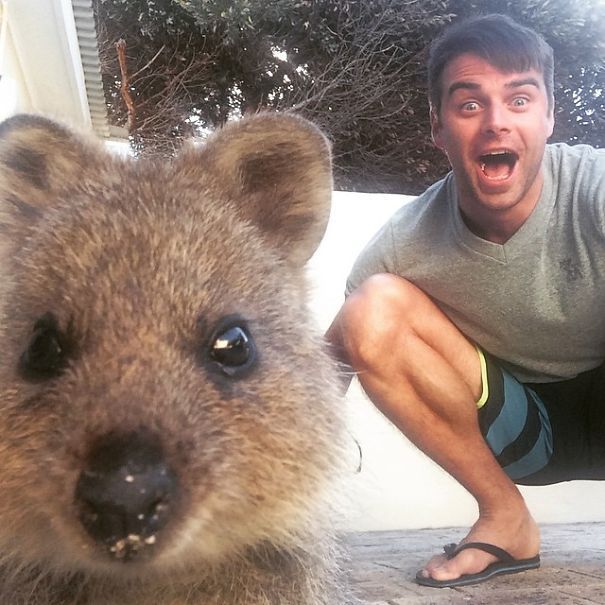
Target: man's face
493, 126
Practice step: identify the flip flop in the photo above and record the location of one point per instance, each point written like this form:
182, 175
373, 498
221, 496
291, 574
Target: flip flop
506, 564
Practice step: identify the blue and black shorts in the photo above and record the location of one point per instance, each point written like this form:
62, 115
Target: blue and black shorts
544, 433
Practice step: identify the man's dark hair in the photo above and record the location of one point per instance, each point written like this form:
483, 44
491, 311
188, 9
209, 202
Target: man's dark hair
502, 42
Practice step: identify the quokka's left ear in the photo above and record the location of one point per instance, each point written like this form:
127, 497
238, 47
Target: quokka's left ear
277, 168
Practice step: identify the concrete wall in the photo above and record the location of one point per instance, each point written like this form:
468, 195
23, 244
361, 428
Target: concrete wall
398, 487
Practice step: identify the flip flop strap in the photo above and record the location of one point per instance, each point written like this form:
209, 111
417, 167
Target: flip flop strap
451, 550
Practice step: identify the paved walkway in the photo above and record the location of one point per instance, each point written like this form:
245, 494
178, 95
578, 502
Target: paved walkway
572, 572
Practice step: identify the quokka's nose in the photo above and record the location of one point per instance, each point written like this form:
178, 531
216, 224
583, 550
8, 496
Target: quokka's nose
126, 493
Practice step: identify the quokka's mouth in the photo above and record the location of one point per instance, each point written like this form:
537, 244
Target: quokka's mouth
129, 548
498, 165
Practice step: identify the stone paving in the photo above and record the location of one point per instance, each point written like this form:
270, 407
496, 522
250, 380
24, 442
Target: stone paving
572, 571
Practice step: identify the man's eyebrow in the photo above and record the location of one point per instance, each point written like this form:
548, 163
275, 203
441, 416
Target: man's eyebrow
529, 81
517, 83
462, 85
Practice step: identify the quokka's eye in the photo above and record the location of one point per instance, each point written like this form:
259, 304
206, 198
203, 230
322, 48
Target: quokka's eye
232, 347
44, 357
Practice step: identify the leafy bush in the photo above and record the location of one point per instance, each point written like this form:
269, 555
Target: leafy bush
355, 67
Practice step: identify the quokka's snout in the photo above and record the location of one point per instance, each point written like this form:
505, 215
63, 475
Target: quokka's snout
127, 493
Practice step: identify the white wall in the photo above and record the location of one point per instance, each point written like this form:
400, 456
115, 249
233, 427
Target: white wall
398, 487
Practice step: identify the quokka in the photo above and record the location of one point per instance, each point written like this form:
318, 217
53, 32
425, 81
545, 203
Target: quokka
170, 426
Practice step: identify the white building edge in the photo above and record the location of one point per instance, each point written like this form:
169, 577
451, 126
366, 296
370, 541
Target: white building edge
49, 63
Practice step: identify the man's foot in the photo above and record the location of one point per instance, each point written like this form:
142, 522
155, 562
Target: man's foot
519, 536
505, 564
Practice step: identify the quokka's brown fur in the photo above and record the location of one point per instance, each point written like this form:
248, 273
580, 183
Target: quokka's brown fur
155, 336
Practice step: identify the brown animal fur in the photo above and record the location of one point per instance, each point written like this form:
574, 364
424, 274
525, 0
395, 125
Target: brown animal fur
137, 263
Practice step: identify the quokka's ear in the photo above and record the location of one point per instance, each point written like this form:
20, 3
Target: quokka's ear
38, 159
277, 168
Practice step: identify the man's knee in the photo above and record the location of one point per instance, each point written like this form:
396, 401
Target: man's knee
377, 316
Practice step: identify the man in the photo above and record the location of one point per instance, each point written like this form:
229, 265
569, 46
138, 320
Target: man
474, 319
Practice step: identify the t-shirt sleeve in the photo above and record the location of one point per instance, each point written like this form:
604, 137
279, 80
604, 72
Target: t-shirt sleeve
376, 257
592, 186
386, 252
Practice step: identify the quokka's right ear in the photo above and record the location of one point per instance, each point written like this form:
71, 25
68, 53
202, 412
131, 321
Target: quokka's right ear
39, 159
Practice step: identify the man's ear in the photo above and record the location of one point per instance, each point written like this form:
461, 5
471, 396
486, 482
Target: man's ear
551, 117
436, 128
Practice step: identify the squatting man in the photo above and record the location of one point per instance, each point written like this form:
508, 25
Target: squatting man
474, 318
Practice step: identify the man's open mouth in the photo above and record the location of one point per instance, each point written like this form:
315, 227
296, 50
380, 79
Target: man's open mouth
498, 165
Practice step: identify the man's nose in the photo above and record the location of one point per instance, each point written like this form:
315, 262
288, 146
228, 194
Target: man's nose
497, 119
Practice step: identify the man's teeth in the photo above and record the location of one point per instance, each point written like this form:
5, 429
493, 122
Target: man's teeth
494, 178
497, 165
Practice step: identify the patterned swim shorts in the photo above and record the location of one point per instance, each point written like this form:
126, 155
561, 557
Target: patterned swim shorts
544, 433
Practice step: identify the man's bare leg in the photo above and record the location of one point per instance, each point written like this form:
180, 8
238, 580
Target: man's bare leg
425, 376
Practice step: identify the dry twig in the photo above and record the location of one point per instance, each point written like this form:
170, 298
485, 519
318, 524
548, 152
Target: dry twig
124, 87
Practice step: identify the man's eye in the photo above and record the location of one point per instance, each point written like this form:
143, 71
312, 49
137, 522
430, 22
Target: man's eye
470, 106
519, 102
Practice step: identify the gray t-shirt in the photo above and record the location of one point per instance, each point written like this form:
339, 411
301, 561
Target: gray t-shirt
536, 302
